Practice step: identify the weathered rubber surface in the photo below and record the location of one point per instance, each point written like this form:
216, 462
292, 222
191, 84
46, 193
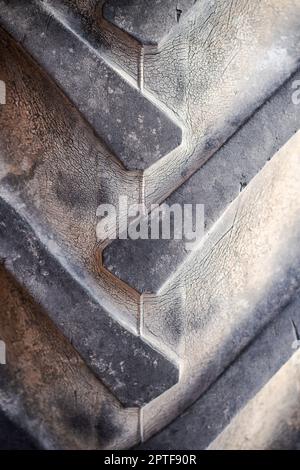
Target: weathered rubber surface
104, 104
217, 184
12, 437
155, 22
118, 339
237, 386
94, 334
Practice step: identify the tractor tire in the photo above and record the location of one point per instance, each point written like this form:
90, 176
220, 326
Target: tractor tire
111, 342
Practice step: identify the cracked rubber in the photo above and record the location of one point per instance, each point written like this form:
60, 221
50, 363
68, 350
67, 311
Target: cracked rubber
110, 343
